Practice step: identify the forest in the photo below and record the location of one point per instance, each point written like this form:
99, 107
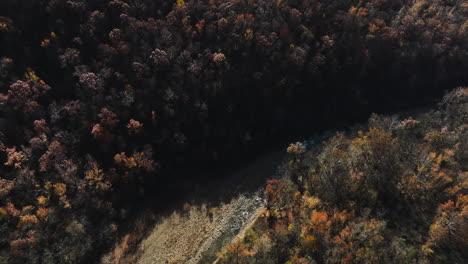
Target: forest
102, 102
392, 191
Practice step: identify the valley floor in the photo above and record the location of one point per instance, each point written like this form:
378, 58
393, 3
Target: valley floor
197, 232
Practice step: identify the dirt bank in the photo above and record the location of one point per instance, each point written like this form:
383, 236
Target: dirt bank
195, 233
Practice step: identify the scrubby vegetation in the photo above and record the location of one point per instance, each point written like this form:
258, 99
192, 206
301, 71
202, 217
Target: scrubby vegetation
99, 99
395, 192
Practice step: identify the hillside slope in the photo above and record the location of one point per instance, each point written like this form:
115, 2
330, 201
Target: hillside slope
394, 191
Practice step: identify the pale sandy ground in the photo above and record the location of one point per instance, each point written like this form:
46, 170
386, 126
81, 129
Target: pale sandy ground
195, 235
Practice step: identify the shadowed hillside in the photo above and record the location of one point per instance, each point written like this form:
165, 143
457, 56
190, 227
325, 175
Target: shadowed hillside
393, 192
110, 108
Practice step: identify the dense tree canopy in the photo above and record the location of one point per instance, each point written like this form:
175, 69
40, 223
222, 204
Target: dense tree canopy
394, 193
98, 97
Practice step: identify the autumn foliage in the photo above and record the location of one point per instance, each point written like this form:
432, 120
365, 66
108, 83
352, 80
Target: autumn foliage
98, 98
382, 194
